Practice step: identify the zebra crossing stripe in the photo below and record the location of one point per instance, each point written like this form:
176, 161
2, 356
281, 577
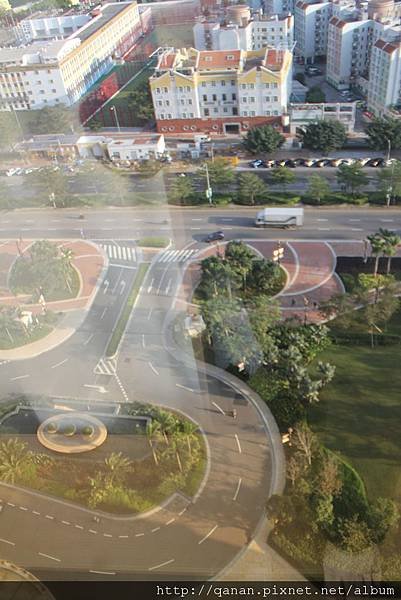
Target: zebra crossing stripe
120, 252
106, 366
176, 255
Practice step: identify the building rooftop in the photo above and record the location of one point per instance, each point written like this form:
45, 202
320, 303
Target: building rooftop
107, 12
38, 52
219, 59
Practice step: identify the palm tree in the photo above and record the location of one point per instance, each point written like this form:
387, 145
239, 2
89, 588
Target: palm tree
189, 430
391, 242
377, 244
116, 466
168, 424
66, 266
14, 458
153, 432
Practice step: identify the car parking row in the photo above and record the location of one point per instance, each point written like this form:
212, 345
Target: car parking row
292, 163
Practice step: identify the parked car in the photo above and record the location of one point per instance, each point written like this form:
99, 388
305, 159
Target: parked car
323, 162
270, 164
214, 237
313, 71
309, 162
363, 161
373, 162
257, 163
290, 163
281, 162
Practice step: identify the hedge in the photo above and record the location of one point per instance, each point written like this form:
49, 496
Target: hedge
364, 339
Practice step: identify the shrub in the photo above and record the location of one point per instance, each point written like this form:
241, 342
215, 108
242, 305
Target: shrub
51, 427
282, 198
222, 200
370, 282
69, 430
348, 281
87, 430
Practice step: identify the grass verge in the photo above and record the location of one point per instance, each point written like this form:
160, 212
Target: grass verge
123, 320
152, 242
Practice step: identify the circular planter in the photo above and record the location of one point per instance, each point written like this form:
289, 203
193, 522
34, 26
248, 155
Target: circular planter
69, 430
76, 432
51, 427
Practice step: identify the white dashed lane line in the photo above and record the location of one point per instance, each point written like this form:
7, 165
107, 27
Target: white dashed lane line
7, 542
92, 531
66, 523
59, 363
171, 521
218, 408
208, 535
49, 557
238, 443
78, 526
49, 517
155, 529
139, 534
120, 536
108, 535
102, 572
164, 564
237, 490
155, 371
22, 508
19, 377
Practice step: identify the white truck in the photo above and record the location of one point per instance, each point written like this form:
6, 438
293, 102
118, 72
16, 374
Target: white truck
280, 217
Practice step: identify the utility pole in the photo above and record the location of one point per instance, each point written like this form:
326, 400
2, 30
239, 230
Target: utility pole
113, 108
209, 191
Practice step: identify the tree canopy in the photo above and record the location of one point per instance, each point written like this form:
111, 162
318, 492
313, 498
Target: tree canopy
315, 94
324, 136
352, 177
263, 139
383, 130
251, 188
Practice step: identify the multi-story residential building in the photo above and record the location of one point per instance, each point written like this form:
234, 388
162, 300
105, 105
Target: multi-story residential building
244, 33
47, 27
226, 91
61, 71
279, 7
301, 115
384, 86
352, 34
311, 21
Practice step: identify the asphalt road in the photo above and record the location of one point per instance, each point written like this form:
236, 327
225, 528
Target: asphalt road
190, 540
184, 225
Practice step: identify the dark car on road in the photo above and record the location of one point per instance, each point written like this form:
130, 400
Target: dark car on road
257, 163
214, 237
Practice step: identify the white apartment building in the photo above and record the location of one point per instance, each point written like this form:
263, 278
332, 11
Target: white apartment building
140, 147
384, 86
61, 71
276, 31
47, 27
352, 34
311, 27
220, 91
279, 7
301, 115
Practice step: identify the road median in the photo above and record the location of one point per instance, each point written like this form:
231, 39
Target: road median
119, 329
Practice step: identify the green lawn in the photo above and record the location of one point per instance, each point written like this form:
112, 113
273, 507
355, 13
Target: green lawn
359, 414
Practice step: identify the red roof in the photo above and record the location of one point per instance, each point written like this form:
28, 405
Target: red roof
219, 59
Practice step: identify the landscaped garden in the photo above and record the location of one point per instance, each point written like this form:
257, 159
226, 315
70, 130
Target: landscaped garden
148, 454
334, 392
45, 270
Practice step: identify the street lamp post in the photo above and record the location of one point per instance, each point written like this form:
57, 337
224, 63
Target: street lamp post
114, 110
390, 187
209, 191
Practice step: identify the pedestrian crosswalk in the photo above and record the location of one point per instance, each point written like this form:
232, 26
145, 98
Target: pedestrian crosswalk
176, 256
106, 366
121, 253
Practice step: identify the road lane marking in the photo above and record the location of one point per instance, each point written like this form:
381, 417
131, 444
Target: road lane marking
48, 556
168, 562
150, 314
107, 535
7, 542
88, 339
49, 517
171, 521
10, 504
323, 229
151, 286
184, 387
355, 220
355, 229
139, 534
219, 408
35, 512
22, 508
102, 572
155, 529
155, 371
195, 228
238, 444
79, 526
208, 535
321, 220
387, 220
237, 490
168, 287
196, 219
121, 536
92, 531
59, 364
143, 341
66, 522
104, 312
19, 377
182, 512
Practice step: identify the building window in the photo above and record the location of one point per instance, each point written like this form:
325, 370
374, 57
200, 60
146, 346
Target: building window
213, 84
190, 101
203, 83
235, 110
157, 90
204, 97
243, 86
184, 115
275, 98
252, 113
181, 89
187, 88
206, 112
234, 96
191, 115
182, 102
167, 103
165, 90
232, 82
159, 103
223, 83
224, 97
214, 97
267, 98
215, 110
252, 99
225, 109
244, 113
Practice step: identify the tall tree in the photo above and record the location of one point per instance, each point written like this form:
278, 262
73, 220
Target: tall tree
251, 188
389, 179
263, 139
283, 176
66, 258
240, 258
384, 131
116, 466
324, 136
391, 241
315, 95
53, 184
319, 187
304, 441
220, 172
14, 460
352, 177
181, 190
377, 245
10, 134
